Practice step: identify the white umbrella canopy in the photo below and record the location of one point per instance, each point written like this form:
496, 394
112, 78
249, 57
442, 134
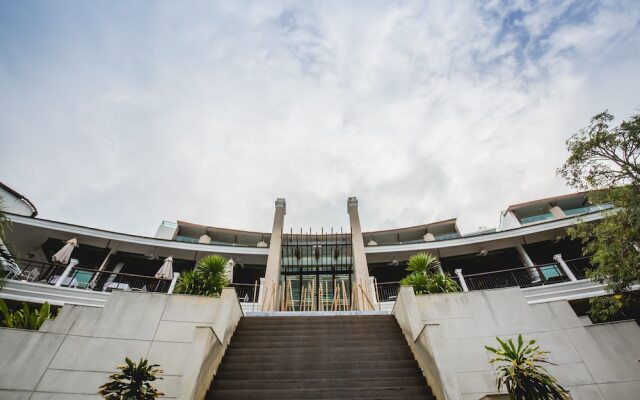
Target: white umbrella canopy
166, 271
64, 254
228, 269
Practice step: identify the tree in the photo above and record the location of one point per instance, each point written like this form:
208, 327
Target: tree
520, 371
206, 279
604, 160
133, 382
424, 276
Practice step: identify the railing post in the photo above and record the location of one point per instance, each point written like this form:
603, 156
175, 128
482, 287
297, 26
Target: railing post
172, 286
462, 282
72, 263
565, 267
260, 294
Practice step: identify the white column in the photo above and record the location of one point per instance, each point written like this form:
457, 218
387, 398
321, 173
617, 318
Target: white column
565, 267
462, 282
72, 263
526, 260
557, 212
176, 275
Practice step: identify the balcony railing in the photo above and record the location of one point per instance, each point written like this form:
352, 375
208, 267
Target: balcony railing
86, 278
523, 277
247, 292
536, 218
387, 291
579, 266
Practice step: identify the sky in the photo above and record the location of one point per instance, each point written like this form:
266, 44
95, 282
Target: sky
121, 114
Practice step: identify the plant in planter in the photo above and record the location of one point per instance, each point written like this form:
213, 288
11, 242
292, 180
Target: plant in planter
520, 371
25, 318
424, 276
133, 382
206, 279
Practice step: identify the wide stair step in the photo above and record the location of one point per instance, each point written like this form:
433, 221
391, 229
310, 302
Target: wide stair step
324, 357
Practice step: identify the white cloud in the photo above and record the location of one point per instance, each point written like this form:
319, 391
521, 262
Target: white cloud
119, 116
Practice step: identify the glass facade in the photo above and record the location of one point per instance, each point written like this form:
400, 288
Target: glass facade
316, 272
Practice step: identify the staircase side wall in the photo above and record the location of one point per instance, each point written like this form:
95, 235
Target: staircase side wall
597, 361
71, 356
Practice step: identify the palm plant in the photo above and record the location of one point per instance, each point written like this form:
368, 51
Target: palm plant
133, 382
430, 283
25, 318
424, 277
423, 263
206, 279
519, 370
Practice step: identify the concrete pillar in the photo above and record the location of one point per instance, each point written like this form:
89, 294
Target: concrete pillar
272, 273
360, 267
72, 263
557, 212
565, 267
463, 284
526, 260
176, 276
260, 292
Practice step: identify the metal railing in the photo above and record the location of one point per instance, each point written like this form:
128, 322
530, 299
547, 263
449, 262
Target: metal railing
522, 276
246, 292
387, 291
86, 278
579, 266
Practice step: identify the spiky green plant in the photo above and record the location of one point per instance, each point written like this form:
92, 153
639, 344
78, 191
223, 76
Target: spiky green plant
133, 382
188, 283
206, 279
424, 276
520, 371
423, 263
430, 283
25, 318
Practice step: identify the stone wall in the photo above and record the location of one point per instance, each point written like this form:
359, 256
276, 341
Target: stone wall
450, 330
71, 356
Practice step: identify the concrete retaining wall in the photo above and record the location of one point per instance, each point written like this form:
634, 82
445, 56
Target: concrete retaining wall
71, 356
594, 361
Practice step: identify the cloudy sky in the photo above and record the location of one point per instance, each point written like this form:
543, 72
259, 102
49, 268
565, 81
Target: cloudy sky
119, 114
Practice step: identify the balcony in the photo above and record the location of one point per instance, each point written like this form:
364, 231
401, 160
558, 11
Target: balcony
523, 277
86, 278
588, 209
536, 218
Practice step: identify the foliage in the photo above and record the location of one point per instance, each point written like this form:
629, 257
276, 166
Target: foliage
519, 370
423, 263
25, 318
430, 283
604, 159
424, 277
206, 279
133, 382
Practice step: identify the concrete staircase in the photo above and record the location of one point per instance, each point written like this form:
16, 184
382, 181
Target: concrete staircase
319, 357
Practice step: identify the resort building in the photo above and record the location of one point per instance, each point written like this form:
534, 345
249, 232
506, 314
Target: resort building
524, 276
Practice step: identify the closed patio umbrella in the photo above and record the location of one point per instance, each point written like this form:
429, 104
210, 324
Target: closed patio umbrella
228, 269
64, 254
166, 271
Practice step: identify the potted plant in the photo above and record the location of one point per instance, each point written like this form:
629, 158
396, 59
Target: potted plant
425, 277
520, 371
133, 382
206, 279
25, 318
